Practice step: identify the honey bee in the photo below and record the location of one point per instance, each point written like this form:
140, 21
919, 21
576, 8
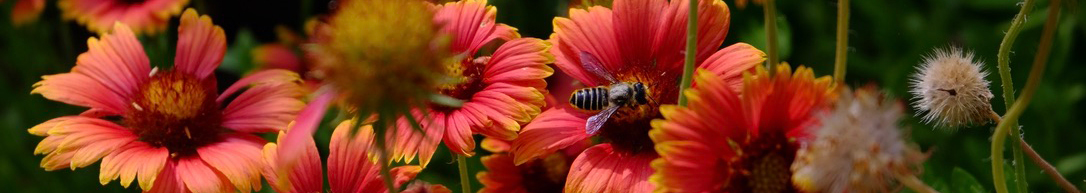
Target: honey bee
607, 99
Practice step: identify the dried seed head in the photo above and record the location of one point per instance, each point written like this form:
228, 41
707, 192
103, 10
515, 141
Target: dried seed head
858, 148
950, 89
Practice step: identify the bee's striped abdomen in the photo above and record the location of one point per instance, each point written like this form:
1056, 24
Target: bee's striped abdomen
592, 99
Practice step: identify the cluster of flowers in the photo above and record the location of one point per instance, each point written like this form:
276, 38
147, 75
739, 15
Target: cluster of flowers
745, 129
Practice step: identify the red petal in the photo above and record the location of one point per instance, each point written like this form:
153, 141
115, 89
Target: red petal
200, 45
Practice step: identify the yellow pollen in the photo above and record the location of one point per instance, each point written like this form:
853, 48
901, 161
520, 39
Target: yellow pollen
178, 98
187, 133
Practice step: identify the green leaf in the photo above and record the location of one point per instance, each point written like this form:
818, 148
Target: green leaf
962, 181
238, 58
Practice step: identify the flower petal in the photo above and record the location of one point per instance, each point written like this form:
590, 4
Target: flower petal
82, 141
105, 77
670, 42
636, 23
458, 134
519, 59
472, 25
201, 45
553, 130
601, 169
26, 11
199, 177
588, 31
132, 160
237, 157
263, 108
731, 62
307, 176
304, 126
168, 180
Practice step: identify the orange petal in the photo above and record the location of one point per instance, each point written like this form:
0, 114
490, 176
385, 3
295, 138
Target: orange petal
601, 170
731, 62
200, 45
472, 25
589, 31
238, 158
554, 129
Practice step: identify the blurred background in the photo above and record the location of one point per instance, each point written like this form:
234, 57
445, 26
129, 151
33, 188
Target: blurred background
887, 39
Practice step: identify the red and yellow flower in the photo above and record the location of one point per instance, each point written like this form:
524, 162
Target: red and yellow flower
171, 129
143, 16
637, 41
727, 142
500, 91
538, 176
351, 165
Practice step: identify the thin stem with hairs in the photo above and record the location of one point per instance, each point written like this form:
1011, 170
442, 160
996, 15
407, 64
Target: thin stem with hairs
1009, 119
841, 53
1008, 87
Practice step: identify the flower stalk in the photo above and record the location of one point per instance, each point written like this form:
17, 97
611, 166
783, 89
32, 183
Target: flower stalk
1008, 85
691, 51
771, 34
1009, 121
840, 57
462, 161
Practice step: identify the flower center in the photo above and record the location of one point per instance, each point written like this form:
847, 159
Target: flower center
547, 175
628, 129
764, 165
176, 111
466, 80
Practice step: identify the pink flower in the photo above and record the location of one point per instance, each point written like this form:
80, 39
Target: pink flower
175, 132
639, 41
501, 91
144, 16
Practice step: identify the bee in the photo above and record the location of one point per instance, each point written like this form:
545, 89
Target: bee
607, 99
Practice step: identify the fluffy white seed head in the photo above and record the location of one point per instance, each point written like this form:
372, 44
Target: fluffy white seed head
858, 148
949, 89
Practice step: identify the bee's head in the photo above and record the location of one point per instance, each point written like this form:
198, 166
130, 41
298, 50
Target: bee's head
640, 93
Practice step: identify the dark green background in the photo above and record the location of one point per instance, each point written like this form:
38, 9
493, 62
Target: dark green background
887, 40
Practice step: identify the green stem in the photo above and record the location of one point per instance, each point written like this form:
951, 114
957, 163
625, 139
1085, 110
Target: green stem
1018, 106
691, 51
771, 34
383, 159
842, 41
464, 183
1047, 167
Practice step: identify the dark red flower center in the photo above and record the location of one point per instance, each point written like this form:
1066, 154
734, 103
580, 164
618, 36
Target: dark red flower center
467, 79
177, 111
763, 165
628, 129
547, 175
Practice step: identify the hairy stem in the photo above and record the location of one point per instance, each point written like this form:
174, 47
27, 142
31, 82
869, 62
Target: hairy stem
1047, 168
1036, 72
771, 34
840, 57
691, 51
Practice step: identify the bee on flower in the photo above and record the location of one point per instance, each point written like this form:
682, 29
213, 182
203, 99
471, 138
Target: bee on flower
638, 41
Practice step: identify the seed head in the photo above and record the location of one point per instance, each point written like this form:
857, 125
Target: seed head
950, 89
858, 148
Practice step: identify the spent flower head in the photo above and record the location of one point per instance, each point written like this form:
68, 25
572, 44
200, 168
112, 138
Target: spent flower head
380, 54
858, 148
950, 89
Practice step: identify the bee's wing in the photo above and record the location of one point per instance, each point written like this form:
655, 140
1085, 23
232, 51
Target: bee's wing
596, 121
592, 64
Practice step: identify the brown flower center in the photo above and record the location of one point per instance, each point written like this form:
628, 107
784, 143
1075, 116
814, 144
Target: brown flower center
763, 165
177, 111
466, 79
628, 129
547, 175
